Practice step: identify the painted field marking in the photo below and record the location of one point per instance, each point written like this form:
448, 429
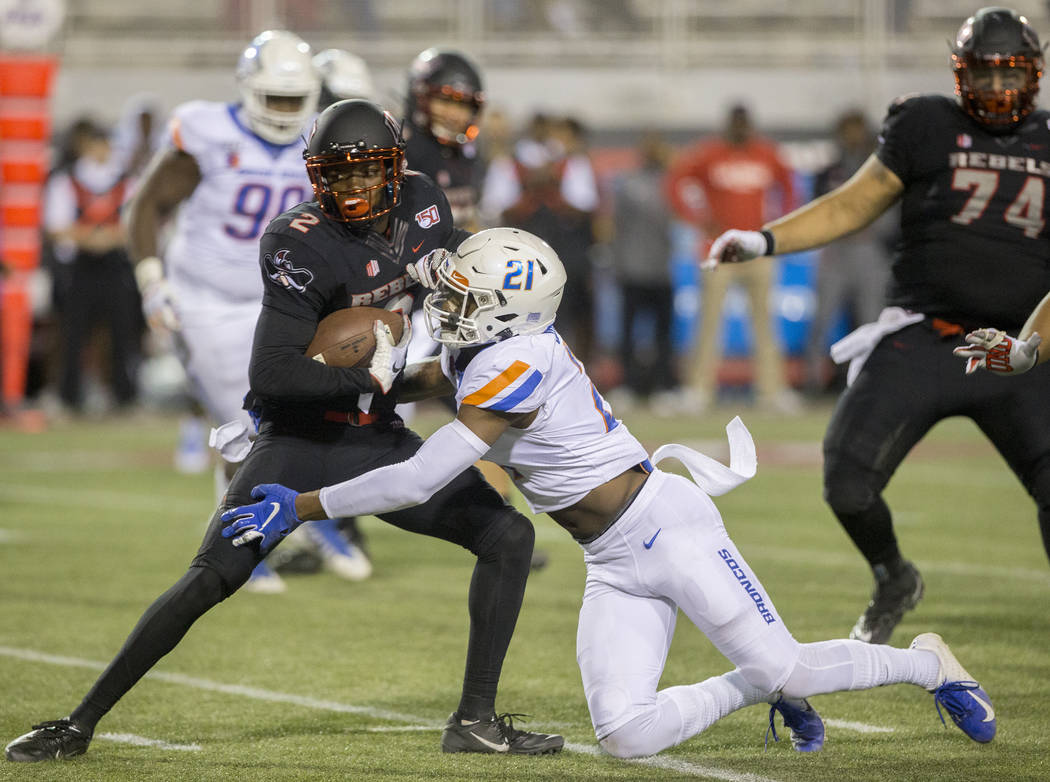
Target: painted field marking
142, 741
414, 722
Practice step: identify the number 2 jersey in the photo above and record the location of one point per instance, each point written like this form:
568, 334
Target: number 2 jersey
573, 445
975, 247
245, 182
313, 265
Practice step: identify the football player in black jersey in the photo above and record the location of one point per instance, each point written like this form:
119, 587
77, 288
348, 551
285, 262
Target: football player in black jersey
319, 424
443, 104
971, 175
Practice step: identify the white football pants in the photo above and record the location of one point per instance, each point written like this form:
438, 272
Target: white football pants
216, 349
670, 550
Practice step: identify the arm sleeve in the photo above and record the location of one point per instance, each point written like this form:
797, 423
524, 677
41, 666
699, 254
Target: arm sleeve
280, 368
444, 455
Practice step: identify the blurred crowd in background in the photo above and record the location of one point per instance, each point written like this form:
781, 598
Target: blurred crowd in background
629, 221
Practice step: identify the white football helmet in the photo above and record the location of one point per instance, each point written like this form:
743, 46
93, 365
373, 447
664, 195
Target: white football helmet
279, 85
499, 283
344, 76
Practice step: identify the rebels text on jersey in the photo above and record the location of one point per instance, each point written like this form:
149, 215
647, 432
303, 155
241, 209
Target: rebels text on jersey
975, 248
313, 265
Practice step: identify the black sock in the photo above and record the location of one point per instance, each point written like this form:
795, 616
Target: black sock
496, 591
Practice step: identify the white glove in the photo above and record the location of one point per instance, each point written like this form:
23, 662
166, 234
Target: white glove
996, 351
401, 304
424, 271
734, 246
389, 359
158, 300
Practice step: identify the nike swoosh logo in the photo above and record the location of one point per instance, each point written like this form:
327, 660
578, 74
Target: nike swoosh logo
416, 248
274, 512
989, 712
504, 747
649, 543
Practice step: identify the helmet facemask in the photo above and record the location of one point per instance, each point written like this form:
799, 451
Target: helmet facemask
455, 133
501, 282
997, 62
346, 183
279, 85
452, 311
1003, 105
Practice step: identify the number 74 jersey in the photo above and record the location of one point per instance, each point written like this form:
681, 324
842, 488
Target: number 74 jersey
975, 213
245, 182
575, 444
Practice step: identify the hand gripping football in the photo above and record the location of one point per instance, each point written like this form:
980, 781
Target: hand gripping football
345, 337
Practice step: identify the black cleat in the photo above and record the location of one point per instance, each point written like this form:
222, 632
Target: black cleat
893, 595
539, 561
497, 734
54, 740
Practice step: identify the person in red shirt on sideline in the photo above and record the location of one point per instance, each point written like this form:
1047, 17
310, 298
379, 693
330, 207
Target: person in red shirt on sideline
736, 179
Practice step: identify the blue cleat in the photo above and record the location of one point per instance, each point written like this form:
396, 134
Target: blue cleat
959, 693
802, 720
339, 555
264, 581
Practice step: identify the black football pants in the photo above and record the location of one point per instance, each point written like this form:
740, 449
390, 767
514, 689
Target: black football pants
909, 383
468, 512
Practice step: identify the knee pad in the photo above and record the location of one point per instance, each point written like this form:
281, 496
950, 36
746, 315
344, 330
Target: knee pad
510, 536
848, 488
630, 741
197, 591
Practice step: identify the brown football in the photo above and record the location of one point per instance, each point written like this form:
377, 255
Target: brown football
345, 338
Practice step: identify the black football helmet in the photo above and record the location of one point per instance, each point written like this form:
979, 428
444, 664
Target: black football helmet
356, 140
448, 74
997, 39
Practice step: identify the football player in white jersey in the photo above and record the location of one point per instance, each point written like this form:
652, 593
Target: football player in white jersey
653, 542
226, 171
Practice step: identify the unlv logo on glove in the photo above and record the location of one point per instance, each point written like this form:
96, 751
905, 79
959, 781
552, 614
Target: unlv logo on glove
428, 216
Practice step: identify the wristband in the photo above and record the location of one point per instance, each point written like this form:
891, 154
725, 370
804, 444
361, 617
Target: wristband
771, 245
148, 271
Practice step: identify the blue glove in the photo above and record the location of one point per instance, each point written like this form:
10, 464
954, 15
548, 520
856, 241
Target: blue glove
267, 521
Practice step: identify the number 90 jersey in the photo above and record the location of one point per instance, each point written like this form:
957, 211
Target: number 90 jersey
573, 445
975, 246
245, 182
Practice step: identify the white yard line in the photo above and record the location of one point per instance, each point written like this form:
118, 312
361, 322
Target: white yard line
859, 727
142, 741
414, 723
678, 766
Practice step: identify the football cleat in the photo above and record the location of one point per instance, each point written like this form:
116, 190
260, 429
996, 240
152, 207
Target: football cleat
495, 735
264, 581
339, 555
893, 596
54, 740
805, 725
539, 561
959, 693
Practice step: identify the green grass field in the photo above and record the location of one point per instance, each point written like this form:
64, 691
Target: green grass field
342, 681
